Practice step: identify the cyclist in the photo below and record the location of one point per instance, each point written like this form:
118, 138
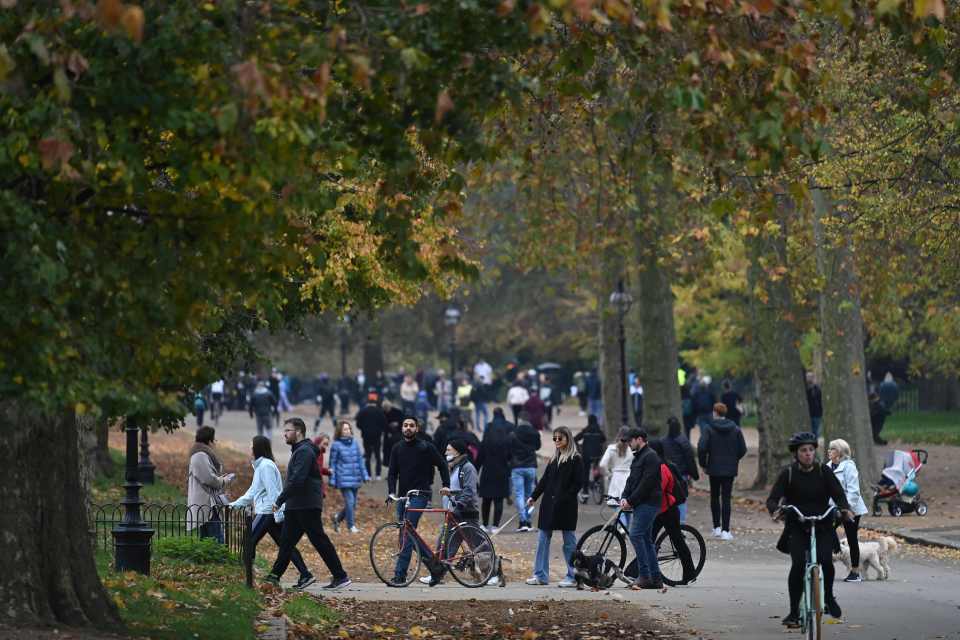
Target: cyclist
809, 485
591, 441
216, 395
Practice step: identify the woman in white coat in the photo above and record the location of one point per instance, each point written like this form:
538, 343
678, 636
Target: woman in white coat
846, 472
615, 465
266, 486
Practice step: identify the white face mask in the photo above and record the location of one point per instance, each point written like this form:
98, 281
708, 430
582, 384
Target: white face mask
450, 457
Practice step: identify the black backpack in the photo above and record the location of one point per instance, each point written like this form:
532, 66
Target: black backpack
680, 489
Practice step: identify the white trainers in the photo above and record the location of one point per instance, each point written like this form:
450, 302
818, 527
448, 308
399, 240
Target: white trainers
354, 529
566, 583
425, 580
493, 582
535, 582
726, 535
716, 532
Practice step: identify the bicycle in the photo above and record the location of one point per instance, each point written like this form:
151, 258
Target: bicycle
463, 549
607, 544
216, 408
812, 599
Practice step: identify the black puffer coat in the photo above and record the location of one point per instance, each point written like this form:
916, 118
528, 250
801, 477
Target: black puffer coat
720, 448
495, 460
559, 486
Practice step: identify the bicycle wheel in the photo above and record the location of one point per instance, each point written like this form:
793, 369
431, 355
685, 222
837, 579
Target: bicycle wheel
607, 544
816, 610
596, 491
469, 555
668, 557
385, 547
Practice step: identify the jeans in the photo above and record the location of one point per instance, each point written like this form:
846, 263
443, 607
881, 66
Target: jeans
703, 421
541, 564
349, 512
641, 537
482, 416
403, 560
264, 524
815, 422
296, 522
595, 408
683, 511
721, 488
264, 425
523, 480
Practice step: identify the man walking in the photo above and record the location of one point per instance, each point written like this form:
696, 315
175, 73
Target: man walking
412, 462
642, 494
524, 444
814, 404
372, 422
261, 406
303, 496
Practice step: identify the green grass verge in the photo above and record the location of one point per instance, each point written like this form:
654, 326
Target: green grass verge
110, 488
923, 427
305, 609
183, 600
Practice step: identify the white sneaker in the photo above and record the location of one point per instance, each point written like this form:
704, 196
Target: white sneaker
379, 478
425, 580
566, 583
493, 582
354, 529
716, 532
726, 535
535, 582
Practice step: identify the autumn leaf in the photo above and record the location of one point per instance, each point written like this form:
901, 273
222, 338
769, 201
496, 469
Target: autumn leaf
132, 22
505, 7
765, 7
54, 152
444, 105
924, 8
109, 13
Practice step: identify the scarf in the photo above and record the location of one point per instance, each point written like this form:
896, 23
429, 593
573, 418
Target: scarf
200, 447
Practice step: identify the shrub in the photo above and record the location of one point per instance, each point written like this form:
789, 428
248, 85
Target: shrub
195, 550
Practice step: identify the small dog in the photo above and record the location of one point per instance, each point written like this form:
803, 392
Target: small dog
589, 571
873, 553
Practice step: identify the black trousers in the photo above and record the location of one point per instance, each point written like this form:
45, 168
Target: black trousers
670, 520
721, 488
850, 528
799, 546
371, 447
516, 409
263, 525
306, 521
497, 510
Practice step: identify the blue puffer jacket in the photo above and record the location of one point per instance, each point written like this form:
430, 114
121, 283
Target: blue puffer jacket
346, 464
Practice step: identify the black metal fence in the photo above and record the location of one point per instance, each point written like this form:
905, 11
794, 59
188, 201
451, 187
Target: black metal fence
172, 520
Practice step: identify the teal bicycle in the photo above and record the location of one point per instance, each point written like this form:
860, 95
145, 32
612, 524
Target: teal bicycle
811, 602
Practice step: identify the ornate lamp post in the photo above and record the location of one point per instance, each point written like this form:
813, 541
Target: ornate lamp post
145, 468
131, 536
342, 328
622, 300
451, 317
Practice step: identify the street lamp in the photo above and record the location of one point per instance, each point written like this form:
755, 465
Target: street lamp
451, 318
621, 301
131, 536
146, 467
343, 327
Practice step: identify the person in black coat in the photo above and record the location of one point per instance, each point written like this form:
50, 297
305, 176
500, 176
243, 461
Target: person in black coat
678, 450
524, 444
592, 442
372, 423
494, 466
559, 487
720, 449
642, 495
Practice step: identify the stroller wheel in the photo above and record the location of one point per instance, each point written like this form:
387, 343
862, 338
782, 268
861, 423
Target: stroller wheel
921, 507
895, 509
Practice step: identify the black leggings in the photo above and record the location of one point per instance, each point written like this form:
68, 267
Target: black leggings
799, 545
264, 524
497, 510
850, 528
371, 449
721, 487
670, 520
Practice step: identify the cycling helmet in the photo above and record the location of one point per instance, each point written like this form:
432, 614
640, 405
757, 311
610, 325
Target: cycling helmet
801, 438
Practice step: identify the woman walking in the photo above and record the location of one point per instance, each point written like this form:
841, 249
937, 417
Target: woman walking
615, 465
494, 463
846, 471
559, 486
679, 451
720, 449
347, 473
266, 486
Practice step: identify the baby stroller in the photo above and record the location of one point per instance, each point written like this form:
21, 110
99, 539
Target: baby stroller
898, 486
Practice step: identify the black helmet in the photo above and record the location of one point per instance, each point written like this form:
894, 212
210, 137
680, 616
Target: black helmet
801, 438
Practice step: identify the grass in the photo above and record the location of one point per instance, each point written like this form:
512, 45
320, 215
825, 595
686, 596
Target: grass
305, 609
109, 489
924, 427
183, 600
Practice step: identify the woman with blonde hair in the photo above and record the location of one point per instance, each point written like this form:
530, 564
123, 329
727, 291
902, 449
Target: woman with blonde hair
347, 473
846, 472
615, 464
559, 486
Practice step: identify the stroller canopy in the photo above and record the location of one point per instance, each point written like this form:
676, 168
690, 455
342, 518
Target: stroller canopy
898, 466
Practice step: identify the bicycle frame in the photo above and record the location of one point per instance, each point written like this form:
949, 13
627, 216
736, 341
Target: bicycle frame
407, 528
807, 600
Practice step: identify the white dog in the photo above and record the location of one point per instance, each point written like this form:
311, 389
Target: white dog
873, 553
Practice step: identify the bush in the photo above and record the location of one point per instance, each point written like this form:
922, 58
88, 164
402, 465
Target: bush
195, 550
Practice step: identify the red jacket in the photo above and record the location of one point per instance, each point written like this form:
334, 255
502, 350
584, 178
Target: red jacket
324, 471
666, 488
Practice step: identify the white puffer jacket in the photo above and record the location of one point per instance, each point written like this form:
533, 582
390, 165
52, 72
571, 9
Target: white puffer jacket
849, 477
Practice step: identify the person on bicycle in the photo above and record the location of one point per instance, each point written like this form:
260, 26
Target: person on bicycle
412, 462
591, 441
809, 485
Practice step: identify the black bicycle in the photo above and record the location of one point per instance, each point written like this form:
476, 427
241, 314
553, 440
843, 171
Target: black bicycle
607, 545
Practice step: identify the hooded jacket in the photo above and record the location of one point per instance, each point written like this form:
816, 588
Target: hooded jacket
304, 486
347, 470
849, 477
524, 444
720, 448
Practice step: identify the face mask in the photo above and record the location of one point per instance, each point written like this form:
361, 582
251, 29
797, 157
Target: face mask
450, 458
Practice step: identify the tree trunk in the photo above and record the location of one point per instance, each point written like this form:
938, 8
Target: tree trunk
846, 413
609, 345
51, 576
658, 347
372, 348
774, 343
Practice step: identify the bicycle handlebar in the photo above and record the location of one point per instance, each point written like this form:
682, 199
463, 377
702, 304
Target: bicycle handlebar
413, 493
804, 518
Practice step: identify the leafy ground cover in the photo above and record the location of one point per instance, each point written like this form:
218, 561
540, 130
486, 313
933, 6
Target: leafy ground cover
924, 427
109, 489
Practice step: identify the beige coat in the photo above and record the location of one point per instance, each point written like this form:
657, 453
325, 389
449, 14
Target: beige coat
204, 483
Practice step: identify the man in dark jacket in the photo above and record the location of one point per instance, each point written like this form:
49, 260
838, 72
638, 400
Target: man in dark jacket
678, 450
703, 401
814, 404
720, 449
261, 406
592, 442
326, 398
302, 496
371, 422
642, 495
412, 462
524, 444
